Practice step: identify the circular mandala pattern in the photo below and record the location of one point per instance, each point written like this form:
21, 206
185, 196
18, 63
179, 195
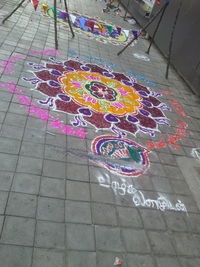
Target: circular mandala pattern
122, 156
100, 97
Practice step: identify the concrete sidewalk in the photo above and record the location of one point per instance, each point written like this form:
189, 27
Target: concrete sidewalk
60, 208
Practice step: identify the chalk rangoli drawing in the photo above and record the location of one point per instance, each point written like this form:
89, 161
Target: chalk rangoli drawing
73, 53
99, 96
42, 114
122, 149
178, 108
122, 188
93, 27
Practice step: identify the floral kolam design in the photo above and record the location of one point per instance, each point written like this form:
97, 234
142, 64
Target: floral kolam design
98, 96
120, 155
93, 27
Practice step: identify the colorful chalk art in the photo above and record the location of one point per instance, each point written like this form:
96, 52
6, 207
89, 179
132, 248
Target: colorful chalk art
107, 100
93, 28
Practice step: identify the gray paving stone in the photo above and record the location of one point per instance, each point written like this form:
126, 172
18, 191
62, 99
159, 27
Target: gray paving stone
8, 145
29, 165
78, 212
18, 231
140, 260
152, 219
161, 243
21, 205
193, 222
8, 162
173, 172
32, 150
129, 217
167, 158
48, 258
15, 119
157, 169
55, 153
180, 187
190, 262
78, 258
77, 172
104, 214
78, 190
162, 184
167, 261
52, 187
74, 143
13, 256
135, 240
1, 222
35, 123
176, 222
102, 194
5, 180
50, 235
33, 135
105, 259
2, 116
50, 209
108, 239
54, 169
12, 131
187, 244
80, 237
26, 183
3, 201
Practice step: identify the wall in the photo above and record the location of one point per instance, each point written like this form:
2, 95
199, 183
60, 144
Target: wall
185, 54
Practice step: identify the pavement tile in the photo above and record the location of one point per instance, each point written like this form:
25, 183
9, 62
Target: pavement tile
190, 262
167, 261
129, 217
77, 172
153, 219
50, 209
187, 244
135, 240
3, 201
108, 239
18, 231
102, 194
52, 187
54, 169
29, 165
105, 259
80, 237
176, 221
12, 131
5, 180
161, 243
48, 258
50, 235
140, 260
77, 190
8, 162
21, 205
32, 150
26, 183
104, 214
78, 212
78, 258
13, 256
193, 222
